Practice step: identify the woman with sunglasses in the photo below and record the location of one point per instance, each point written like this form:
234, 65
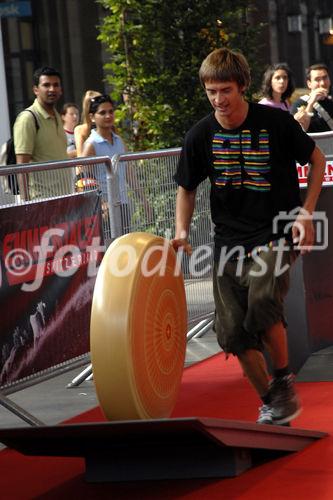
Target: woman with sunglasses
103, 141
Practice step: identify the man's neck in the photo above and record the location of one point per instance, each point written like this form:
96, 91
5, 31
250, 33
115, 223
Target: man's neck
49, 108
236, 119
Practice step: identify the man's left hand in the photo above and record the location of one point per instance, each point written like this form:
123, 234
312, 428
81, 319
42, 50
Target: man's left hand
303, 232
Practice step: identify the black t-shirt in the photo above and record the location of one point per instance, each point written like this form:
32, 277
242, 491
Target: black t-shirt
252, 171
317, 123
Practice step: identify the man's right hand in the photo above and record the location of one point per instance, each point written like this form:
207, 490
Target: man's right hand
178, 243
303, 118
317, 95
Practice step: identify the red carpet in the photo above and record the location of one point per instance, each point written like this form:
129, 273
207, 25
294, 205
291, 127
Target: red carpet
212, 388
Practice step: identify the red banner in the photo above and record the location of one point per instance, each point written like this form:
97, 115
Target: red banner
302, 171
49, 256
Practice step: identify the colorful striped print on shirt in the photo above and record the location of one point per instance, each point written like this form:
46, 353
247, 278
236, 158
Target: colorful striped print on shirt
234, 155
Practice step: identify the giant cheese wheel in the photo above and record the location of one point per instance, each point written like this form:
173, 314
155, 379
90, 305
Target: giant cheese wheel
138, 328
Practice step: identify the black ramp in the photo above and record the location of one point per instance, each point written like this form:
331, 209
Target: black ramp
161, 449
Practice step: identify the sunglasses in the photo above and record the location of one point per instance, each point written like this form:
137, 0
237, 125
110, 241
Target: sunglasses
100, 99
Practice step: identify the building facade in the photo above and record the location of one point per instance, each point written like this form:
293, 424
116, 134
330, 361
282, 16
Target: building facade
58, 33
63, 34
299, 34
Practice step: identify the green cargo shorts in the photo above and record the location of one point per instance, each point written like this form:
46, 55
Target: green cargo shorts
249, 298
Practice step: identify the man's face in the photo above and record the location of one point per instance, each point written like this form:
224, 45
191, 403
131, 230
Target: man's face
319, 79
225, 97
49, 90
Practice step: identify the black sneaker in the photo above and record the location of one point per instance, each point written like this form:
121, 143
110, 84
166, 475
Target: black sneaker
265, 415
285, 402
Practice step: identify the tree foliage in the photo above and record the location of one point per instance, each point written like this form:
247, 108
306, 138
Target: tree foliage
155, 50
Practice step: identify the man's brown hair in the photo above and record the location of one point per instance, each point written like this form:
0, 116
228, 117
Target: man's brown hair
225, 65
315, 67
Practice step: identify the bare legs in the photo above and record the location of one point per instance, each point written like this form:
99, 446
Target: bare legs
254, 363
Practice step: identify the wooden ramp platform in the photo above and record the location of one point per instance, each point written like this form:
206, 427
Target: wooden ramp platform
162, 449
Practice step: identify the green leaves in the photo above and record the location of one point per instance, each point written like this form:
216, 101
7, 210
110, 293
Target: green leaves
155, 49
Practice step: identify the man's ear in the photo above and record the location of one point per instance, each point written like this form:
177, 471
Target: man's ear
35, 90
308, 82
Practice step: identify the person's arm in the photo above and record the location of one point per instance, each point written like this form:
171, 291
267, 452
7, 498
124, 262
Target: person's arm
88, 150
301, 114
23, 158
185, 204
79, 136
303, 118
303, 229
22, 178
315, 95
72, 153
305, 111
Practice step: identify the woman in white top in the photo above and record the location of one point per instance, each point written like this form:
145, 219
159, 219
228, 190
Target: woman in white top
103, 141
277, 86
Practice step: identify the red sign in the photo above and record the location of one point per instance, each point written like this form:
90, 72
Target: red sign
49, 253
303, 173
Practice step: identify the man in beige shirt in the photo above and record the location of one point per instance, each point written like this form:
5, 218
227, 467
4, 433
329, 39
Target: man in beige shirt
45, 142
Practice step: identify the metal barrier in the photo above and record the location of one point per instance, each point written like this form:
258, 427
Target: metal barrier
324, 140
150, 207
45, 181
138, 194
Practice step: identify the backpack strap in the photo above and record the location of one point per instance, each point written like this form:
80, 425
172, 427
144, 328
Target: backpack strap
35, 118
